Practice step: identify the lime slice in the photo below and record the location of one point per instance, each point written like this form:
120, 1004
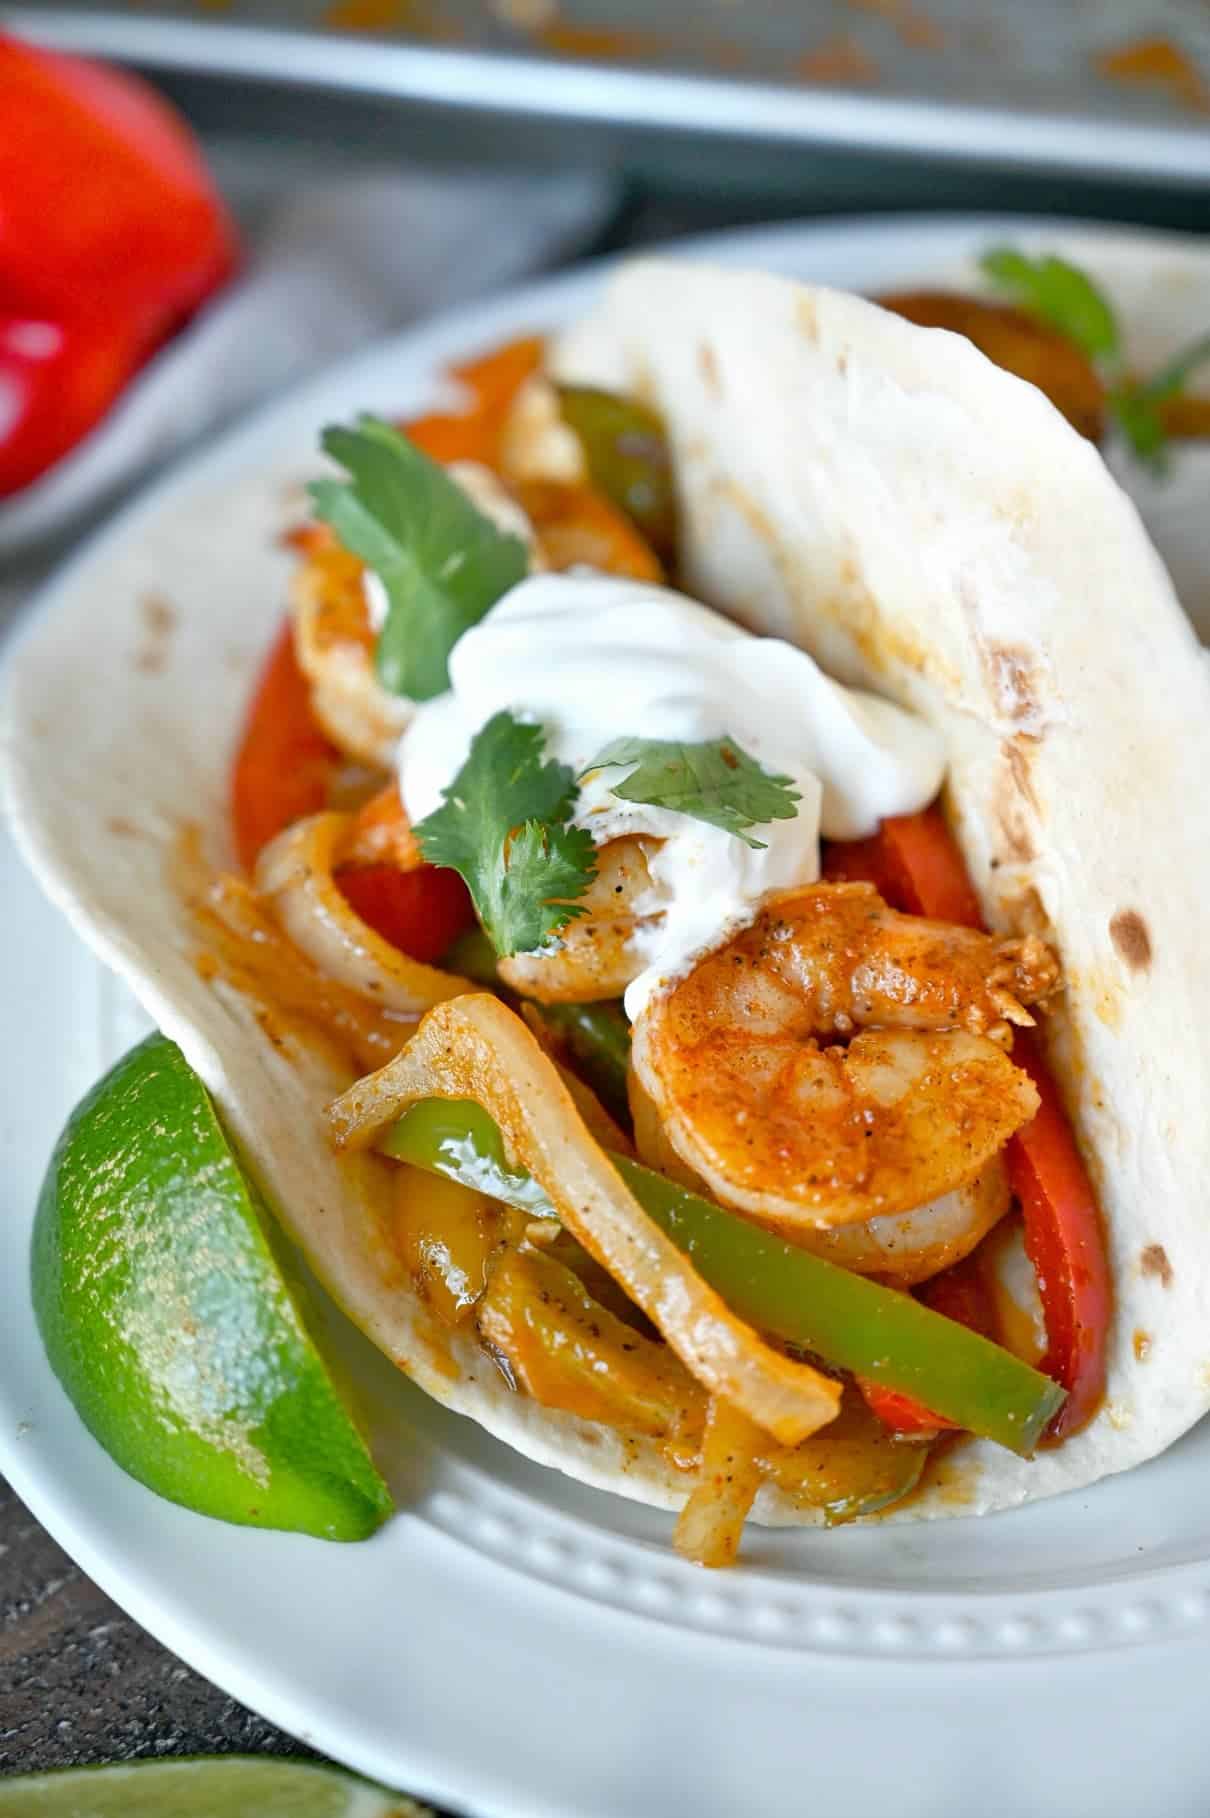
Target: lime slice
162, 1295
232, 1786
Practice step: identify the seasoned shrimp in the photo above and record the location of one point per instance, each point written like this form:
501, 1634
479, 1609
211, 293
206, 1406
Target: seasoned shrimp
597, 955
903, 1247
334, 642
915, 1106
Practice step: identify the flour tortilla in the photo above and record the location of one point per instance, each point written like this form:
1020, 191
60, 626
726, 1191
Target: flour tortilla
928, 526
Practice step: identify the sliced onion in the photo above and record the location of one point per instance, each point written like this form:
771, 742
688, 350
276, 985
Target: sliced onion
475, 1047
709, 1527
294, 875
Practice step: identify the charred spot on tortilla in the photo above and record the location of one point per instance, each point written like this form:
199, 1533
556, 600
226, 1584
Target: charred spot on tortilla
124, 829
159, 618
1141, 1344
1131, 938
1017, 755
708, 367
807, 317
1017, 845
1013, 672
1153, 1260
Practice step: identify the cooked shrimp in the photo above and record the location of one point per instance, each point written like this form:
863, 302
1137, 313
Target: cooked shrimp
334, 640
804, 1135
903, 1247
597, 955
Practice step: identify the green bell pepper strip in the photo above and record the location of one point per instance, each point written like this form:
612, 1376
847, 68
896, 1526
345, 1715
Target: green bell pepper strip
850, 1322
626, 452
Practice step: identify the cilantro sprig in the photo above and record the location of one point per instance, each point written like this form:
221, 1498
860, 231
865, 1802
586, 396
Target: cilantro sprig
442, 562
715, 781
1062, 295
503, 826
1058, 293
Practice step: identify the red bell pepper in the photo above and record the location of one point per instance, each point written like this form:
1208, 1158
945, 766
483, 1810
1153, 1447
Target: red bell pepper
111, 235
915, 863
285, 762
421, 912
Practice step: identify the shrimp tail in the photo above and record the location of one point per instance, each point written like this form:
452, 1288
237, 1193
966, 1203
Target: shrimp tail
1026, 971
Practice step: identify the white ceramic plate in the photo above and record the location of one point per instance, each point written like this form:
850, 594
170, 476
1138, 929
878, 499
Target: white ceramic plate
515, 1644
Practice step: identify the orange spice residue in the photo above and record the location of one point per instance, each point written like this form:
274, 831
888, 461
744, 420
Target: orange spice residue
600, 43
914, 27
839, 60
1159, 63
368, 15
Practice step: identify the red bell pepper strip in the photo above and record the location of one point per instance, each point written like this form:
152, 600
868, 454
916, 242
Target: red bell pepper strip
111, 235
421, 912
285, 762
915, 863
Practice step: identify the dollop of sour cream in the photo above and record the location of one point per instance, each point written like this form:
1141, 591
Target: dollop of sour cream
593, 658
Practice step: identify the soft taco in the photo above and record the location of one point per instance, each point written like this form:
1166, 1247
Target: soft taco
699, 945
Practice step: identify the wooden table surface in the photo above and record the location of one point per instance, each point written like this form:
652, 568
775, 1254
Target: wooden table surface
82, 1682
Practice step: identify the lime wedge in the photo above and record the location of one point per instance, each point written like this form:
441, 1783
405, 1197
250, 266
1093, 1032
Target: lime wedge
232, 1786
162, 1294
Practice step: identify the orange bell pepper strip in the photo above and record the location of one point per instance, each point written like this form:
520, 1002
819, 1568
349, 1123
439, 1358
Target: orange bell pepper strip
915, 863
493, 381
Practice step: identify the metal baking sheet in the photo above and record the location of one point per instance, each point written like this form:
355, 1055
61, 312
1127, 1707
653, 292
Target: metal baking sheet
1110, 88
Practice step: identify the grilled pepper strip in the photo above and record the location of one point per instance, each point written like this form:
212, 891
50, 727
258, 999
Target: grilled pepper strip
626, 451
917, 866
848, 1320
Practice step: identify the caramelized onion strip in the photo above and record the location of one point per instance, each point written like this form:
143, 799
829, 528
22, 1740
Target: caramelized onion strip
709, 1527
475, 1047
294, 874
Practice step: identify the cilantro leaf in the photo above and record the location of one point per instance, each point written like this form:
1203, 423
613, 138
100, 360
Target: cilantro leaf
715, 781
1170, 380
1064, 296
1137, 406
441, 561
1141, 422
503, 828
1058, 293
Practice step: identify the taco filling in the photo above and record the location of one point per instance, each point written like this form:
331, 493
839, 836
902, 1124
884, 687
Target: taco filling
710, 1109
696, 935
